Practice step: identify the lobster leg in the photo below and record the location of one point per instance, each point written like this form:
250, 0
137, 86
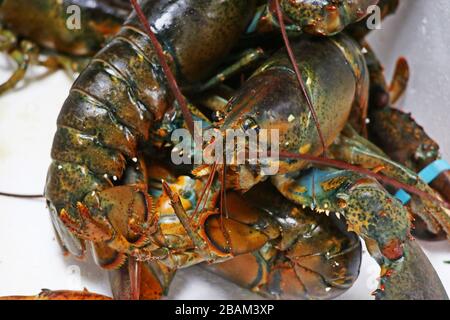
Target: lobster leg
215, 103
24, 54
245, 60
71, 65
400, 80
200, 243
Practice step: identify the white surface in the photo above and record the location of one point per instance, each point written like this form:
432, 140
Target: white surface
30, 258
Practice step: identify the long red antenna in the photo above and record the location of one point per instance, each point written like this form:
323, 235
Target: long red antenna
205, 190
162, 60
346, 166
298, 74
134, 271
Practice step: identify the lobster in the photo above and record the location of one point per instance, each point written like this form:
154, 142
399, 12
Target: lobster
409, 144
106, 120
23, 37
369, 210
98, 174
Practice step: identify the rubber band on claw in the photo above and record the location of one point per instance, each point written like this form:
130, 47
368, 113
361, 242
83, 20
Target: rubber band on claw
428, 174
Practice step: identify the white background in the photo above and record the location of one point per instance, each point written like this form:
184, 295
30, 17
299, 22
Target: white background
30, 258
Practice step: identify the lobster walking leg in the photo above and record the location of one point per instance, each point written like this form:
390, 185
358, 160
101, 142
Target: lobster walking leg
23, 55
246, 59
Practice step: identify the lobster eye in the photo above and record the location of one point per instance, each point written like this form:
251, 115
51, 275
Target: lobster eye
342, 200
342, 203
250, 123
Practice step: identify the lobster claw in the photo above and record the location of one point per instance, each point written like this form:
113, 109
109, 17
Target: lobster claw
217, 236
308, 256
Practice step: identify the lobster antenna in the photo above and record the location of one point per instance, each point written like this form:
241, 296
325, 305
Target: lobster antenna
134, 271
298, 74
223, 193
169, 75
346, 166
205, 190
23, 196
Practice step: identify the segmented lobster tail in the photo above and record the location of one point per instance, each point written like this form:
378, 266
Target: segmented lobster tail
98, 168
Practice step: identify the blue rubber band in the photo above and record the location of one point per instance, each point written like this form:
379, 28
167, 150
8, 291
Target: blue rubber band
433, 170
427, 174
403, 196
